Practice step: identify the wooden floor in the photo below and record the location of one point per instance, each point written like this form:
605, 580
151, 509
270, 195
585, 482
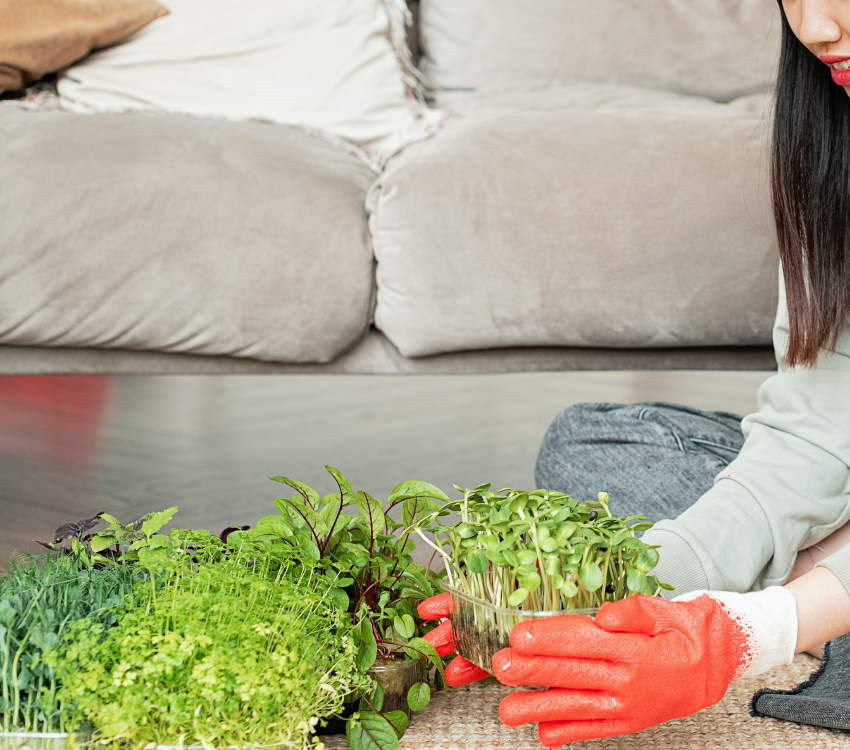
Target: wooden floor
71, 446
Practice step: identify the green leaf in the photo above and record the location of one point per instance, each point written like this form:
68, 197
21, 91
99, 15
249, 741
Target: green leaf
414, 488
632, 543
398, 721
155, 521
419, 573
530, 582
519, 503
518, 597
339, 598
308, 513
367, 652
404, 625
415, 593
477, 562
635, 580
371, 731
372, 514
647, 560
307, 546
642, 526
512, 558
344, 485
591, 577
615, 540
419, 647
160, 540
376, 698
311, 497
333, 520
494, 556
277, 525
113, 522
416, 509
527, 556
101, 541
569, 589
549, 545
506, 543
419, 696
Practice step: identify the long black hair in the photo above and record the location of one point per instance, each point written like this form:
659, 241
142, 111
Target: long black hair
810, 181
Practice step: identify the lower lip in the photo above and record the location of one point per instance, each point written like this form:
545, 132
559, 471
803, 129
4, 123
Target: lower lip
841, 77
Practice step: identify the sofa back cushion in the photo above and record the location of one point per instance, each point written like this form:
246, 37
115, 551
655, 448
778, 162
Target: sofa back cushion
720, 49
42, 36
338, 66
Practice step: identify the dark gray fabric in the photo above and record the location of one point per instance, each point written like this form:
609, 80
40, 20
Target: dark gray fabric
823, 700
653, 459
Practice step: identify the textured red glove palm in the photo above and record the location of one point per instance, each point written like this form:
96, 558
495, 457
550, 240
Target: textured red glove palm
641, 662
459, 672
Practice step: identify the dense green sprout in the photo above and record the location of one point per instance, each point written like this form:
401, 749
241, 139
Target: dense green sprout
223, 646
541, 550
41, 597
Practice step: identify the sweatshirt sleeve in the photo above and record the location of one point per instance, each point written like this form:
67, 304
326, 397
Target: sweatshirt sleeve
788, 489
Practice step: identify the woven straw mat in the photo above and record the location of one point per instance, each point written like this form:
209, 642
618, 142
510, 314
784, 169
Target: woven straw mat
468, 719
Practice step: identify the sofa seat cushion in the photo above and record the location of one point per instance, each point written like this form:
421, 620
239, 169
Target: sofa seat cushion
179, 234
585, 215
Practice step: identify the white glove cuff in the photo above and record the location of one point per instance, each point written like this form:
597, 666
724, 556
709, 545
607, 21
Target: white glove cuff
769, 620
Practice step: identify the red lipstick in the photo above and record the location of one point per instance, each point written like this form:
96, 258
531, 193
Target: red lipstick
841, 77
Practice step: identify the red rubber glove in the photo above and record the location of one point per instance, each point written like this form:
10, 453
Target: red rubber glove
459, 672
641, 662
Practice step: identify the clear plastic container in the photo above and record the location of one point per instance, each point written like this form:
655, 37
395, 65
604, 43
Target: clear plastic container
44, 740
396, 678
480, 629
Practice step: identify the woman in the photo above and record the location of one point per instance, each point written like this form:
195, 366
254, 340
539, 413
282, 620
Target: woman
645, 661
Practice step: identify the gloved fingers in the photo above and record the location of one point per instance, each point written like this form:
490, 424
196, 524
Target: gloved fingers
514, 669
558, 705
441, 638
557, 733
640, 614
435, 607
461, 672
576, 636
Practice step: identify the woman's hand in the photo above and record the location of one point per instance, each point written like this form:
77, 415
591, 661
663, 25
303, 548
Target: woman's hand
459, 672
641, 661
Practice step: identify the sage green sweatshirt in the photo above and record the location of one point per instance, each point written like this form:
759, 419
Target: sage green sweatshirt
788, 489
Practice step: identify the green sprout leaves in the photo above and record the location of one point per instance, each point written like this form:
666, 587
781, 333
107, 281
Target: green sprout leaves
541, 550
591, 577
477, 561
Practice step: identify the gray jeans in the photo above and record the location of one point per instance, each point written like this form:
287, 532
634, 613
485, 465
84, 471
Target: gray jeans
653, 459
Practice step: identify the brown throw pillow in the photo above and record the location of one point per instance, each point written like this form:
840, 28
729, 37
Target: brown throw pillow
41, 36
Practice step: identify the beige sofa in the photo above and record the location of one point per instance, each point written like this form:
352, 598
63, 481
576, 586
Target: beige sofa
596, 199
